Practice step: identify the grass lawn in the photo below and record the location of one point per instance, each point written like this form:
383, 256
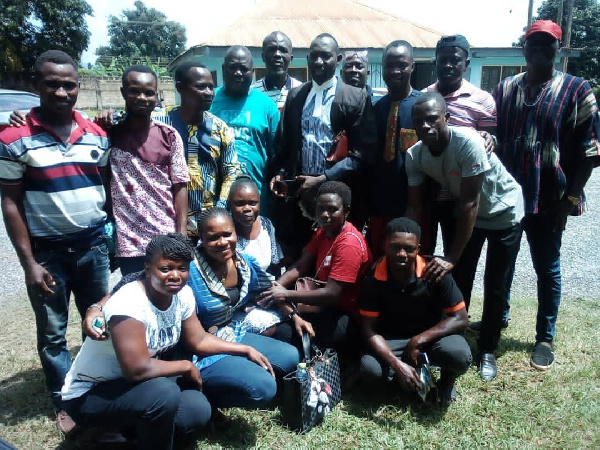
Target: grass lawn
521, 408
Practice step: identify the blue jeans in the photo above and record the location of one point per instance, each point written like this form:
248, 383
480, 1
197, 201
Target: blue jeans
544, 246
502, 251
156, 408
237, 381
84, 273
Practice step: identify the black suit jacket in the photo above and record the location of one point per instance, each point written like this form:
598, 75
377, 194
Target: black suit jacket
351, 111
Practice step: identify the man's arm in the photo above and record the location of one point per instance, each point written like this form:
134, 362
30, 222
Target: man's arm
106, 174
455, 322
230, 167
36, 276
470, 188
180, 199
406, 374
414, 208
362, 140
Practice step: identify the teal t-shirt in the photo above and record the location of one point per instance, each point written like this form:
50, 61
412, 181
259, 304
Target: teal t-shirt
254, 120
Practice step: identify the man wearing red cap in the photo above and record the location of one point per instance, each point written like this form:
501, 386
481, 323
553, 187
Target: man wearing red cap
546, 141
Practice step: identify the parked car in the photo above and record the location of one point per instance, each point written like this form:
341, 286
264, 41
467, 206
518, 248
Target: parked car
15, 101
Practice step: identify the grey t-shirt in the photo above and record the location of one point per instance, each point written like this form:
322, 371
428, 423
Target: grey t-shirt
501, 199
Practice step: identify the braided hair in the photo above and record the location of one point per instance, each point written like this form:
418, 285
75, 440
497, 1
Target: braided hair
210, 213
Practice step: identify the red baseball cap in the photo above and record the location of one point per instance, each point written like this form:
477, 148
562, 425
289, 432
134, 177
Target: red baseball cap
545, 26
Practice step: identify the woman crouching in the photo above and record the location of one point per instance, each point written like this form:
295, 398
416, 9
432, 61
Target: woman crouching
122, 381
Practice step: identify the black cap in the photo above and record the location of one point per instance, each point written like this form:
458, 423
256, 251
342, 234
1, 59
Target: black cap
458, 40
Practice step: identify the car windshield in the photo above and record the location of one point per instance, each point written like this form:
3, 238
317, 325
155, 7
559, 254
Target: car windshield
18, 102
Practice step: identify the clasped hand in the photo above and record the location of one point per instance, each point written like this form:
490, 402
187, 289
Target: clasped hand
272, 296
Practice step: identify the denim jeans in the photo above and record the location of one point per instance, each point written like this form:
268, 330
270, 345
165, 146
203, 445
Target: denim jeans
156, 408
502, 251
84, 273
237, 381
544, 246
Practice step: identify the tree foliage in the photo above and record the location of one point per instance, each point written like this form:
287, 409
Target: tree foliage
585, 34
117, 66
143, 32
30, 27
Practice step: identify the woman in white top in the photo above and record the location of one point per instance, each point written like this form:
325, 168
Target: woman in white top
255, 233
122, 380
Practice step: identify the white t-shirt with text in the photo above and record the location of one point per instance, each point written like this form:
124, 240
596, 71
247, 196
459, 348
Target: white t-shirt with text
97, 361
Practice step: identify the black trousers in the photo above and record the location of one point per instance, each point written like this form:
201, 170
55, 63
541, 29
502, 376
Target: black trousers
451, 353
502, 251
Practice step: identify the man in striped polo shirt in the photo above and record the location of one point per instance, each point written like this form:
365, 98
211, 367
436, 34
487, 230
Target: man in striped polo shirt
277, 56
52, 201
468, 107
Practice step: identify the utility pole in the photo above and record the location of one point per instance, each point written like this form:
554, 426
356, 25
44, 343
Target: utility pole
530, 14
559, 16
567, 34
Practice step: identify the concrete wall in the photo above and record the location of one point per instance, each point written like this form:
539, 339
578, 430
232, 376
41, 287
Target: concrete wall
104, 92
94, 92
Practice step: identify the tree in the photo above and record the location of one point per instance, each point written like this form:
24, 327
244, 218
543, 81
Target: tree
143, 32
585, 34
30, 27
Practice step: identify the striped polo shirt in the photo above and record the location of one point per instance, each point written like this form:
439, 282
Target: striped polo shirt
64, 195
278, 96
469, 106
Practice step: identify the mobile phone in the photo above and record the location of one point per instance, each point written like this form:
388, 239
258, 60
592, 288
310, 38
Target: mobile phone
288, 187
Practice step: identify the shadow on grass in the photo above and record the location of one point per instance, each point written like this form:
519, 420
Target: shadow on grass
367, 401
24, 397
506, 345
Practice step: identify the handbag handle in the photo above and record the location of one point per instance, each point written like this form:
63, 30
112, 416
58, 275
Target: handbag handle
306, 347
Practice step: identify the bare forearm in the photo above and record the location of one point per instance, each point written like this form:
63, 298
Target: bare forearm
212, 345
450, 325
319, 297
383, 351
180, 199
155, 368
289, 277
16, 228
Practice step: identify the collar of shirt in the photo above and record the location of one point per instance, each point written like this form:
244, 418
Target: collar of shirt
381, 269
81, 124
323, 96
332, 82
465, 90
271, 87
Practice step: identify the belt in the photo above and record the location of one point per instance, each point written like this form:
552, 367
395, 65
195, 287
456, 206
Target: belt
38, 244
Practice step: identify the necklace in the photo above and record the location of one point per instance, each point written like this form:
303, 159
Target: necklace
541, 91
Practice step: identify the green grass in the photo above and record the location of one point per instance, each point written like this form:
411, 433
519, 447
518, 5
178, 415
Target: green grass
521, 408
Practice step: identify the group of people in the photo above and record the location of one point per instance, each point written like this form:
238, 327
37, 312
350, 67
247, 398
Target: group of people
254, 213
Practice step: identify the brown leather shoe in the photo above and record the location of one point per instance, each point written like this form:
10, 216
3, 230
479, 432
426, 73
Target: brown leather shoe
64, 423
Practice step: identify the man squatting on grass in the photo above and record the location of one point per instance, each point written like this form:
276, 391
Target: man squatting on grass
53, 200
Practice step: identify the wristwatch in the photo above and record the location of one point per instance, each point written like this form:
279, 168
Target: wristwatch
292, 314
574, 200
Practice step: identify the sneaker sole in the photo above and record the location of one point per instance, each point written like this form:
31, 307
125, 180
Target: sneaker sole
539, 367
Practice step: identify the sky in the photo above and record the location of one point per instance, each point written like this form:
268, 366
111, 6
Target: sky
485, 23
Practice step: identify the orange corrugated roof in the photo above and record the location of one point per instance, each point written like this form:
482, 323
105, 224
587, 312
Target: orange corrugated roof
352, 23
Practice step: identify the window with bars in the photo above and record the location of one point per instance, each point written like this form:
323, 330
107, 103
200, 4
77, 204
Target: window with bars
492, 75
